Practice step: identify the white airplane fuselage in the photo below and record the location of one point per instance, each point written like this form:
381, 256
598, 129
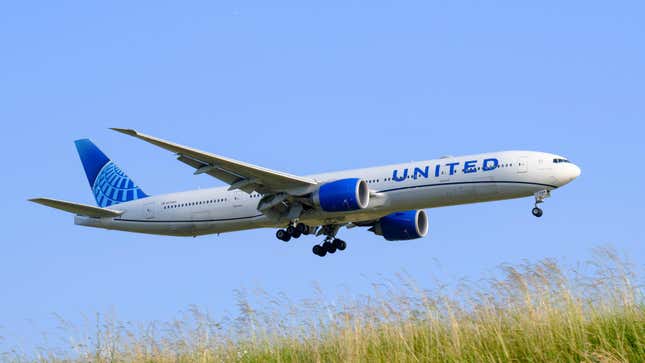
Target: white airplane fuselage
415, 185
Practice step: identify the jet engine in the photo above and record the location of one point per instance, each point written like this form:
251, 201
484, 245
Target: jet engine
401, 226
342, 195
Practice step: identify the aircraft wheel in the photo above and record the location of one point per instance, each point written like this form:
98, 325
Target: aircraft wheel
537, 212
291, 230
329, 247
296, 234
318, 250
340, 244
302, 228
281, 234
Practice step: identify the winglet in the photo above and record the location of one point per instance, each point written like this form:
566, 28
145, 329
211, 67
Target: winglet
130, 132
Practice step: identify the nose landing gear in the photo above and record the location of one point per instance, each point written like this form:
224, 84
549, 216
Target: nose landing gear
539, 198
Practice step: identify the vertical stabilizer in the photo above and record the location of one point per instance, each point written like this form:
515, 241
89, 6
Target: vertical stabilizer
109, 184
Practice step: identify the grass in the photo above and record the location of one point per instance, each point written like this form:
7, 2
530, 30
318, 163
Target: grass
533, 312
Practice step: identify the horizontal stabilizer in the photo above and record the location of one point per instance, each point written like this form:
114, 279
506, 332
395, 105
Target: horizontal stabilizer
76, 208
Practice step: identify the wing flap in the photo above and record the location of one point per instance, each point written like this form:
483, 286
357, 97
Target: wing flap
77, 208
238, 181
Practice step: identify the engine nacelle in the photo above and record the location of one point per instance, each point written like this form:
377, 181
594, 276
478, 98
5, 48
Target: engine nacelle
401, 226
342, 195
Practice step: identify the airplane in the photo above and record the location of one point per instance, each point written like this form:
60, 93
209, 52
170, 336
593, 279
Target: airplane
388, 200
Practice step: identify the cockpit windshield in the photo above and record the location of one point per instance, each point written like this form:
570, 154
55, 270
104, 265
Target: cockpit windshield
555, 161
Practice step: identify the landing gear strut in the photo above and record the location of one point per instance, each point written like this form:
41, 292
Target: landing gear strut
539, 198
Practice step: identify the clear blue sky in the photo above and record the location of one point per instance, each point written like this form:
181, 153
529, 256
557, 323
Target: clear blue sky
304, 90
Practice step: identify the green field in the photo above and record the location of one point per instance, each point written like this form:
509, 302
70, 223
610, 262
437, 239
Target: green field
533, 312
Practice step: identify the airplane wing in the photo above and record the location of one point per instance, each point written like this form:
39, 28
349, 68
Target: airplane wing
77, 208
238, 174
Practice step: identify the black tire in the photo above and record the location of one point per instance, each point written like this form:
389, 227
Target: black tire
296, 234
537, 212
302, 228
340, 244
318, 251
329, 247
281, 234
291, 230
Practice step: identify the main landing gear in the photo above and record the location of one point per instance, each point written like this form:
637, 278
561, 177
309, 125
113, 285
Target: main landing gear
539, 198
294, 231
331, 244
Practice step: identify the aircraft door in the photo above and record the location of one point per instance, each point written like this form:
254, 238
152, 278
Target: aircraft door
149, 210
238, 197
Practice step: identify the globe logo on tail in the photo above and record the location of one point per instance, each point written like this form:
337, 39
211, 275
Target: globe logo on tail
112, 186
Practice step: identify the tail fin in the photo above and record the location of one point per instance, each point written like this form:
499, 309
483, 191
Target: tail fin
109, 184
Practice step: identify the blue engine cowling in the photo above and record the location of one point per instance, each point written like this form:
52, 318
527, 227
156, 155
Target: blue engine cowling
401, 226
343, 195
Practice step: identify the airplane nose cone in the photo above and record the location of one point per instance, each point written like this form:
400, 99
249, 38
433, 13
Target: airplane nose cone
572, 172
565, 173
